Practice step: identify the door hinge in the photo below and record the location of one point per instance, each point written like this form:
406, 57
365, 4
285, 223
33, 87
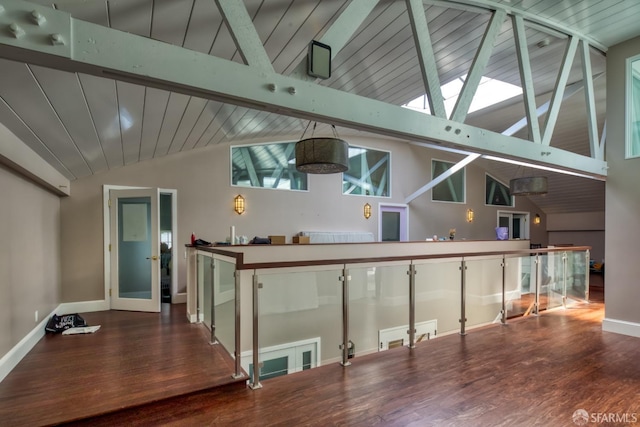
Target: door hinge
109, 247
109, 291
109, 203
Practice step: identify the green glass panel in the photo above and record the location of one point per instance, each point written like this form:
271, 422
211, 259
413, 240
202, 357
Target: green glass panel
134, 247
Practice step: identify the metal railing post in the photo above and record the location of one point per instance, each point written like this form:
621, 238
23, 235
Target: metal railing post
236, 294
255, 377
463, 298
197, 287
586, 275
564, 279
504, 291
538, 279
412, 305
345, 317
213, 340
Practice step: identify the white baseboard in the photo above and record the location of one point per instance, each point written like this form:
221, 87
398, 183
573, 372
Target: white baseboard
20, 350
621, 327
179, 298
83, 307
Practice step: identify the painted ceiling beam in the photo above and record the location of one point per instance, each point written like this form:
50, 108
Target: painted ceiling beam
109, 53
478, 66
339, 33
244, 34
426, 57
440, 178
526, 77
558, 91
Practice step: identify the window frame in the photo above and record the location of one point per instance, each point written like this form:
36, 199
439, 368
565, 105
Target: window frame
464, 181
231, 148
389, 174
513, 200
629, 101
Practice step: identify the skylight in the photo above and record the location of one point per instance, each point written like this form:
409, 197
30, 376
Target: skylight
490, 92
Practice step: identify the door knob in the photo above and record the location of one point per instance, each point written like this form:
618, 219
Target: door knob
154, 257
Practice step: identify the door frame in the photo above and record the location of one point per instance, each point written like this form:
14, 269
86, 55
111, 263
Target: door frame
403, 209
106, 216
525, 215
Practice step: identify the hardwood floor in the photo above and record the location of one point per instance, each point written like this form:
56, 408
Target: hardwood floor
534, 371
134, 358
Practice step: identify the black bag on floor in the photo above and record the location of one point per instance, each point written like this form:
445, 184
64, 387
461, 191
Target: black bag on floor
59, 324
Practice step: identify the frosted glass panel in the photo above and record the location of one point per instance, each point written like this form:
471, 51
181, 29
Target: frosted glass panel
378, 300
484, 291
224, 286
134, 247
438, 294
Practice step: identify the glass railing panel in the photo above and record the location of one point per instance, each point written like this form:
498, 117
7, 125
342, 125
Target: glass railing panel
577, 276
437, 296
483, 291
224, 297
520, 289
378, 307
205, 283
300, 320
551, 280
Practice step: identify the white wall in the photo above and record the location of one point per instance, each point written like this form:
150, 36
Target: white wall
29, 256
622, 293
205, 202
579, 229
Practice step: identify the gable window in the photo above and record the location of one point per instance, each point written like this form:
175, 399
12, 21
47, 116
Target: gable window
451, 189
266, 166
368, 174
496, 193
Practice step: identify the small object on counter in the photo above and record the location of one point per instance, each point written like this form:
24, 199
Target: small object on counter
193, 238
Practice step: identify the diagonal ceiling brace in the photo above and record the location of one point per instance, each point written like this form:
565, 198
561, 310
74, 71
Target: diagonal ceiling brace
244, 34
558, 91
455, 168
592, 121
478, 66
526, 78
426, 57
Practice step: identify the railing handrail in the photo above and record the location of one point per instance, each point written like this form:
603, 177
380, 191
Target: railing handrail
240, 265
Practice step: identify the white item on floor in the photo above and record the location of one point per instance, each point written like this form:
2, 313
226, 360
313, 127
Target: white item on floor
81, 330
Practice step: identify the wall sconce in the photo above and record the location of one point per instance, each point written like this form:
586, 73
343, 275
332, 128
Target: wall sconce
238, 204
469, 215
367, 210
536, 219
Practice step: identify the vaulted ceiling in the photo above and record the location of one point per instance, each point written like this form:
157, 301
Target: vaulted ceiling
84, 124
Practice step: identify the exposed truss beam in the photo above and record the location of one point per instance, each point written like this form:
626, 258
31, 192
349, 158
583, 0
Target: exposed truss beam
244, 34
440, 178
553, 26
569, 91
105, 52
558, 91
478, 66
340, 32
526, 78
248, 161
426, 57
592, 121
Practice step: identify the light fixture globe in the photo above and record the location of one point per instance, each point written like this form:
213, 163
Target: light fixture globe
322, 155
528, 186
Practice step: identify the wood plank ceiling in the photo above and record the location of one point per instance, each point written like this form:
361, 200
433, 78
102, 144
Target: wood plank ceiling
84, 125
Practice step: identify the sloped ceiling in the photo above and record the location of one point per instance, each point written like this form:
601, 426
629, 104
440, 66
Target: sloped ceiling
83, 125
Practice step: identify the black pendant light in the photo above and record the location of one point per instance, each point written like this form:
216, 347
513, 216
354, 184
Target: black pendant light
322, 155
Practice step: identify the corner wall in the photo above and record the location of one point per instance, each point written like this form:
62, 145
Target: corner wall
30, 277
622, 292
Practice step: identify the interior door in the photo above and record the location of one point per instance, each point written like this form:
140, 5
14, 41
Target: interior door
135, 250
